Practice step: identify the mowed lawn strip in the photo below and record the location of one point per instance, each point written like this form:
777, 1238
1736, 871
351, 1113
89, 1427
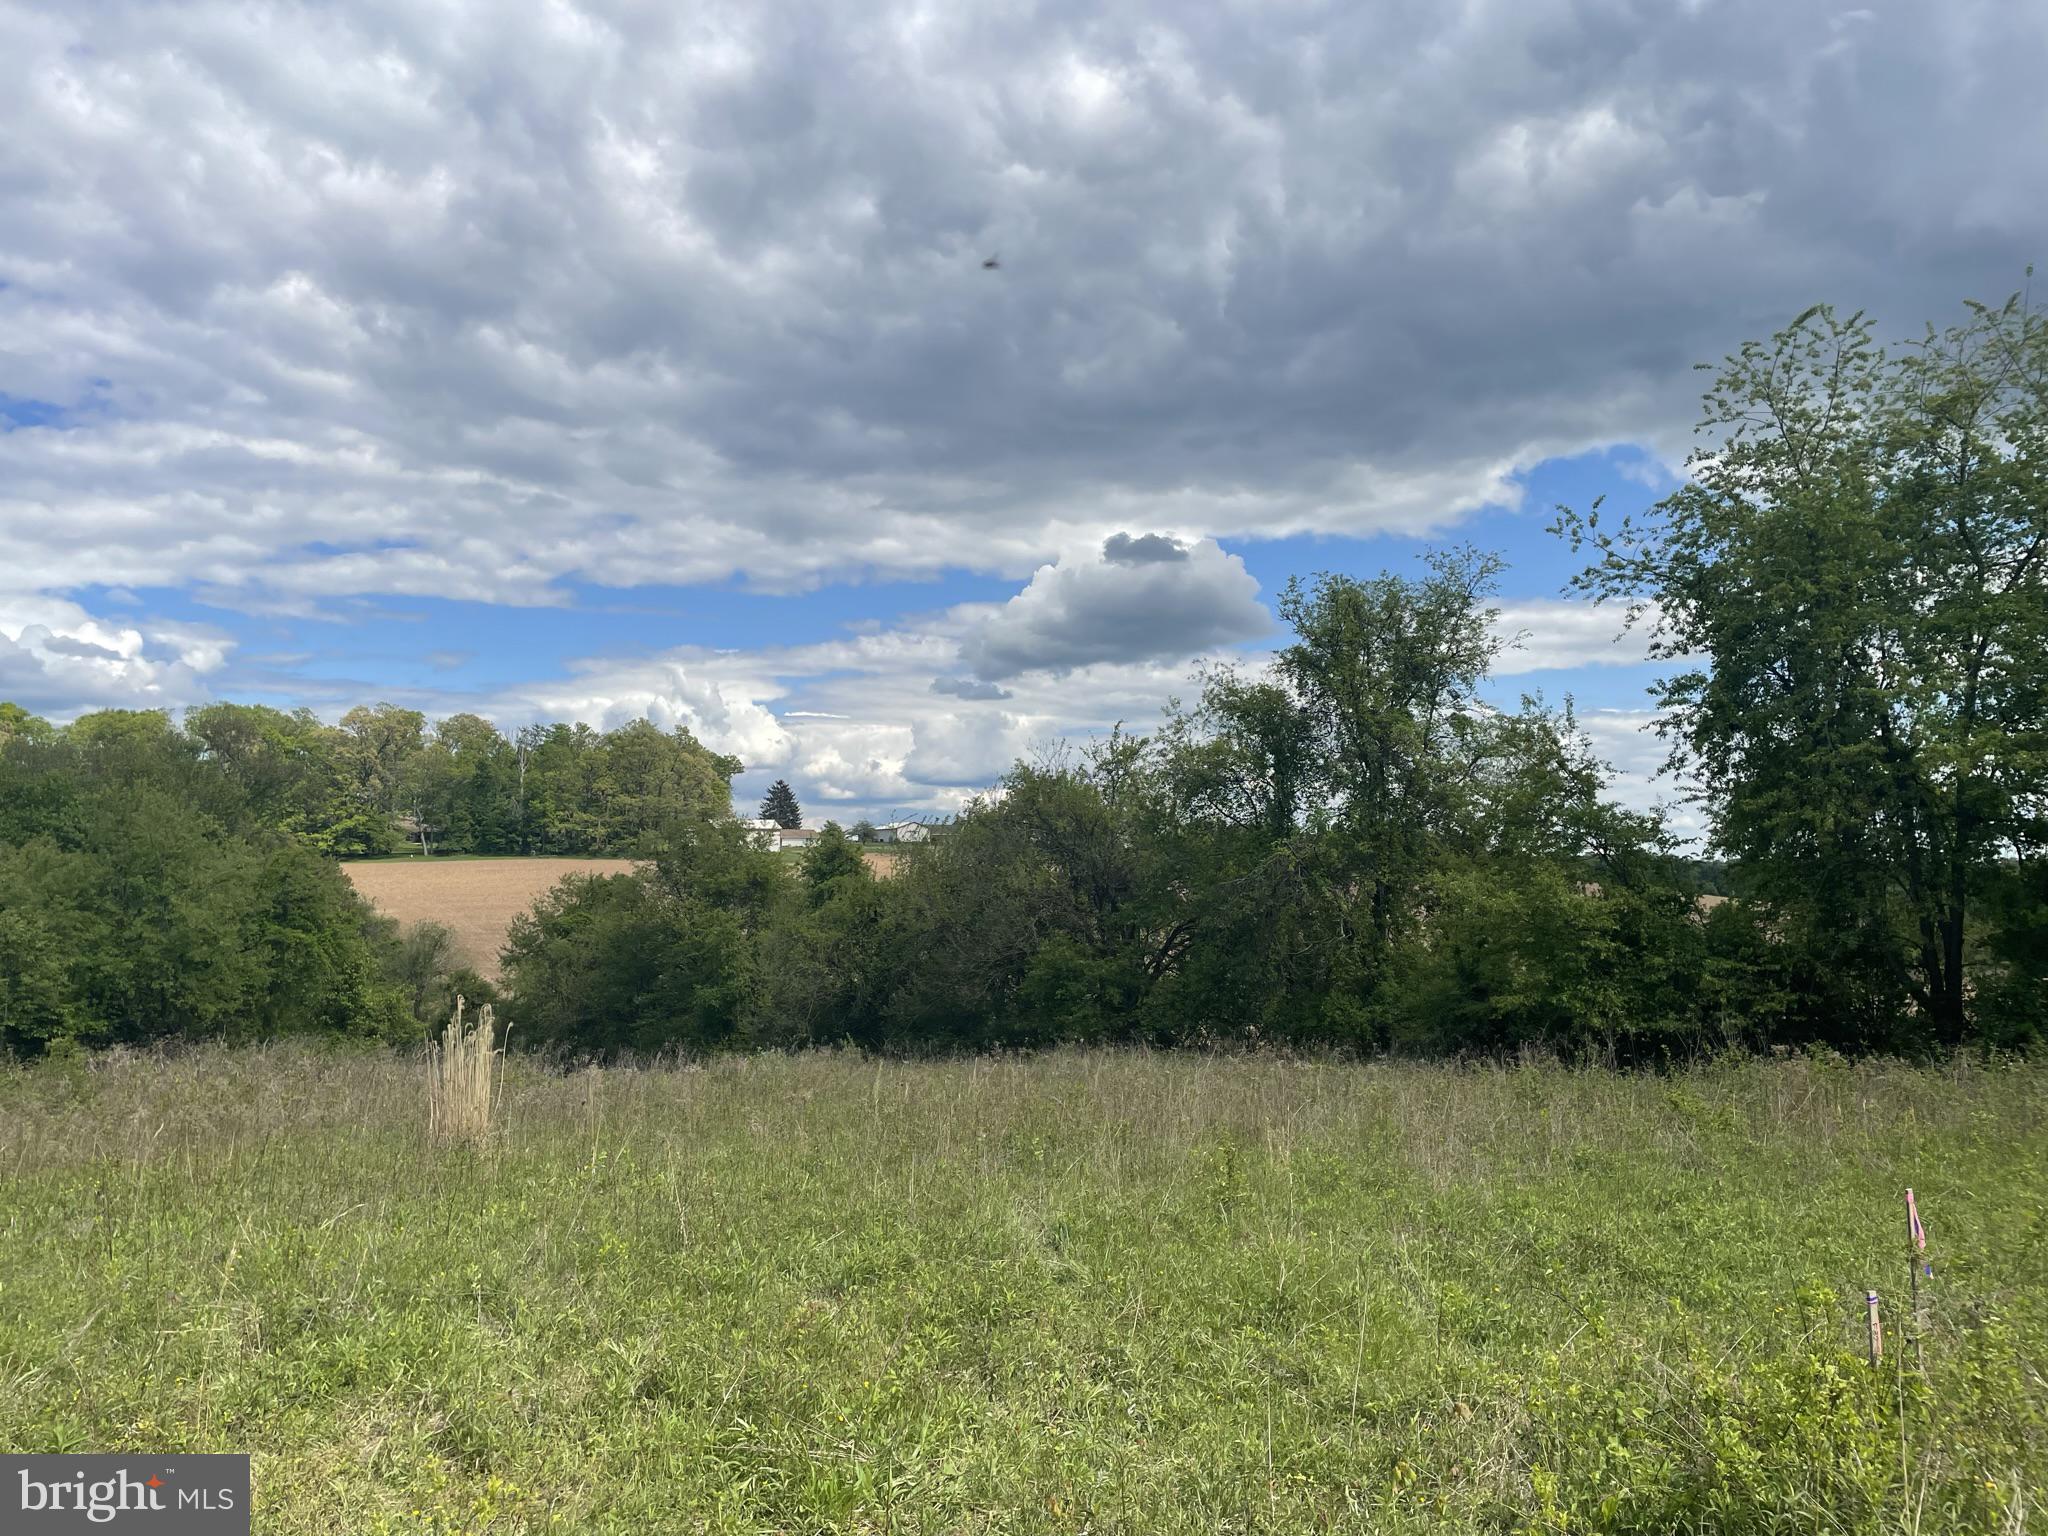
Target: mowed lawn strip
1102, 1291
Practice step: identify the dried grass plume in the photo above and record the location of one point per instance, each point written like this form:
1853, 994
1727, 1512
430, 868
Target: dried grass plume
464, 1077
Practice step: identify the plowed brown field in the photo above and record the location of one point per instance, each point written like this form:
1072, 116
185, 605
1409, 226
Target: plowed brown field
475, 898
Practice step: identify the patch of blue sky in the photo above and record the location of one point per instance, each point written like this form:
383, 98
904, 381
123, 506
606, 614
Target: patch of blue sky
23, 412
1539, 563
443, 644
17, 412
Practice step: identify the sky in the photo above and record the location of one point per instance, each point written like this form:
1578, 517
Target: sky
605, 358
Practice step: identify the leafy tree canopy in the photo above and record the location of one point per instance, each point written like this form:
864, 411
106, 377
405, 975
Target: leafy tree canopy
1851, 592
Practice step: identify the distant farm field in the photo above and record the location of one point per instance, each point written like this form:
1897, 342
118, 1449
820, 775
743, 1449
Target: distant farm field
476, 899
1075, 1292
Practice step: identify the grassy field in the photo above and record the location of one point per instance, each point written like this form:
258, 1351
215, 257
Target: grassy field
1082, 1292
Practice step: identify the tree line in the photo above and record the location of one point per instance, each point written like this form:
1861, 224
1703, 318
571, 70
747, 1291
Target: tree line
163, 881
1351, 848
383, 778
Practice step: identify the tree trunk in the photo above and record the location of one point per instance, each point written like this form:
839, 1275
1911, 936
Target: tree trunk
1949, 1013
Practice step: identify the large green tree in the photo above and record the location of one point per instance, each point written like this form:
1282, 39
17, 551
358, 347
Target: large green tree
1852, 588
559, 797
371, 751
1386, 676
647, 778
480, 814
1310, 804
297, 773
16, 722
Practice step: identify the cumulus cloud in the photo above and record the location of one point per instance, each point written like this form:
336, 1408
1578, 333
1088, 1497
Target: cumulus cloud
1153, 548
974, 750
68, 645
1165, 600
729, 714
474, 300
60, 660
843, 762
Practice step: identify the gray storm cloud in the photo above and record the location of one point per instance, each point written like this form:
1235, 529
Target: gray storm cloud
471, 299
1153, 548
306, 307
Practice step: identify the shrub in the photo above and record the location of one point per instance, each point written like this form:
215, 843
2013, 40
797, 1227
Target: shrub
134, 908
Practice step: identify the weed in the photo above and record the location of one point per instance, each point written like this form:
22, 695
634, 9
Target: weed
462, 1077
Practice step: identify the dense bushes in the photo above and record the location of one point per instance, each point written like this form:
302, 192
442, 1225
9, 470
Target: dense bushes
1354, 851
668, 956
164, 883
1478, 895
142, 899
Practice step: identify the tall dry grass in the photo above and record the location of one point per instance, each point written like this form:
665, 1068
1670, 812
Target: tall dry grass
464, 1077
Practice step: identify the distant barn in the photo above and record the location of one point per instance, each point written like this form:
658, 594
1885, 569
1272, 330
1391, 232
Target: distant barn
910, 830
767, 833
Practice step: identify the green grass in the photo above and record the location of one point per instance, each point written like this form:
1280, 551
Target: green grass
1088, 1291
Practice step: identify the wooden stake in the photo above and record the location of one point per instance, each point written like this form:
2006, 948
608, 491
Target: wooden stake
1916, 1260
1876, 1328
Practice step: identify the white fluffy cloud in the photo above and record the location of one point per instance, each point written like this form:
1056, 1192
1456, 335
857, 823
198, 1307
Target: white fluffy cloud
1545, 635
58, 659
1141, 599
727, 713
972, 751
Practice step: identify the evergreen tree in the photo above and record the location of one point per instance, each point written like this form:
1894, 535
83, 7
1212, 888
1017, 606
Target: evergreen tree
779, 805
